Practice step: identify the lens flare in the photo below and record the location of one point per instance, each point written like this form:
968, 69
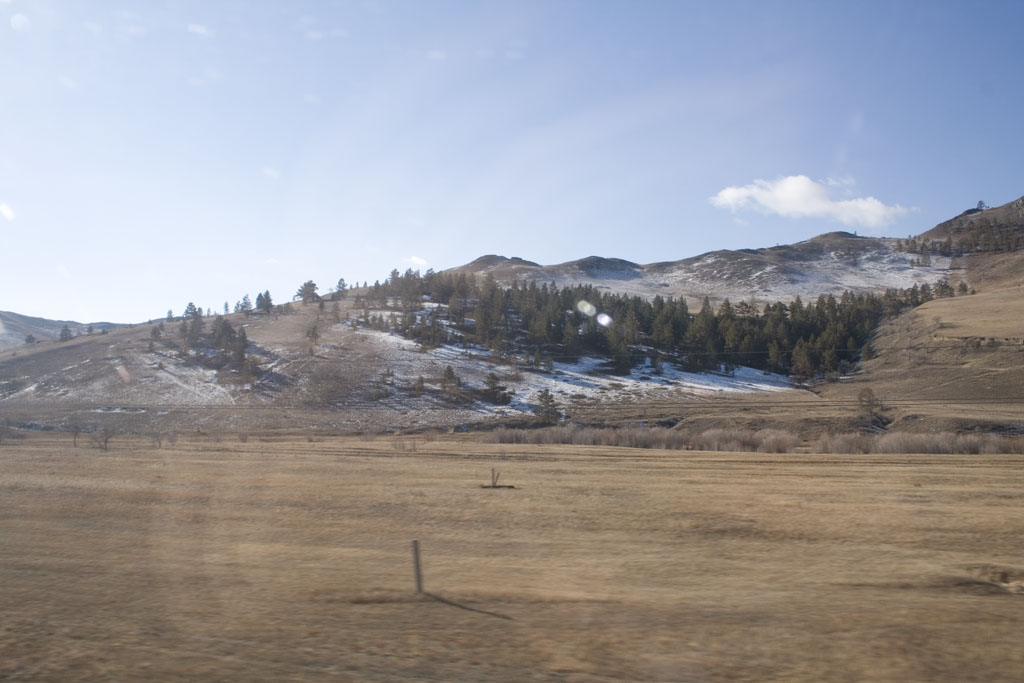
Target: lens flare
604, 320
586, 308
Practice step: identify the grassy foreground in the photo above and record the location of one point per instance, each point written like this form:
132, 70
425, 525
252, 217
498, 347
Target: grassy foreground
289, 560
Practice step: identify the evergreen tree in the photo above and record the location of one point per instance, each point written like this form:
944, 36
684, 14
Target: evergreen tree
65, 334
547, 409
307, 292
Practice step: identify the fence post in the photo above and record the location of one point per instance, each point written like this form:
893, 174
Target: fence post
416, 566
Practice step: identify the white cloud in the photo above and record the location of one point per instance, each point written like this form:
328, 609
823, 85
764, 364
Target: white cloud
417, 261
200, 30
798, 196
310, 98
271, 172
92, 27
436, 55
134, 30
20, 23
313, 35
7, 212
68, 82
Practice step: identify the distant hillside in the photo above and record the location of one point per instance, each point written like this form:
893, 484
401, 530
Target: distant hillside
14, 328
826, 264
977, 225
988, 244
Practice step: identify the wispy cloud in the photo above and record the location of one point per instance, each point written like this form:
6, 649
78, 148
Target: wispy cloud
800, 197
133, 30
68, 82
313, 35
7, 212
20, 23
310, 98
417, 261
271, 172
93, 27
437, 55
200, 30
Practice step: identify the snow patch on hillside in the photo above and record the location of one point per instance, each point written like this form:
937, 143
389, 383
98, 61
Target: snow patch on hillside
579, 381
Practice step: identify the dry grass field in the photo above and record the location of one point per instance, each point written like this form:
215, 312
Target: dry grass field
284, 559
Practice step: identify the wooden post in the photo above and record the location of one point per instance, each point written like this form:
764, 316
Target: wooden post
416, 566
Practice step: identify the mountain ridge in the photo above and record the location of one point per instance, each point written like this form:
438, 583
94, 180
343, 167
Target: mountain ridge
829, 263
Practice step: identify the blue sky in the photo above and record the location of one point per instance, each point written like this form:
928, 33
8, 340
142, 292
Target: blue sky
156, 153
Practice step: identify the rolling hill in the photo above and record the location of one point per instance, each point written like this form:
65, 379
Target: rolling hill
352, 377
14, 328
827, 264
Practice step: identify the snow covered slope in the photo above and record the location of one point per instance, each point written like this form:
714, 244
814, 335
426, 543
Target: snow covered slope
830, 263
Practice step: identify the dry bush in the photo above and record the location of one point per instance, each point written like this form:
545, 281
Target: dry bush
989, 444
776, 441
903, 442
850, 442
725, 440
626, 437
970, 444
1002, 444
506, 435
939, 443
243, 437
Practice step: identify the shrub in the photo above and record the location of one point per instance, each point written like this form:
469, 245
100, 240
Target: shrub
903, 442
776, 441
850, 442
725, 440
626, 437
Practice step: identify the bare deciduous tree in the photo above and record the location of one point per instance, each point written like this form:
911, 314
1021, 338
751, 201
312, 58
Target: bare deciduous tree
75, 427
101, 437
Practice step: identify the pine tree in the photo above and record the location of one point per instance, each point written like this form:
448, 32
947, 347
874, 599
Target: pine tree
65, 334
547, 409
307, 292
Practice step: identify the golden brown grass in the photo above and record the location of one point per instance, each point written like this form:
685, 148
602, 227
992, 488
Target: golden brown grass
282, 559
